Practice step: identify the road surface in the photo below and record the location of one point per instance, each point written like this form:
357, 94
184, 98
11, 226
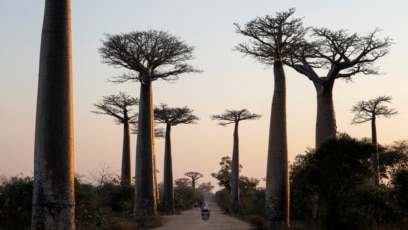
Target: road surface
191, 220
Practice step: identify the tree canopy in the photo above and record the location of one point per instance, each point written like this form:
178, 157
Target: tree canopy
118, 106
194, 176
174, 116
234, 116
336, 174
153, 53
272, 37
371, 109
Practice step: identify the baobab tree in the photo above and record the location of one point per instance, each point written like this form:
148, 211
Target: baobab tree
194, 176
369, 111
344, 55
171, 117
272, 39
158, 133
148, 55
120, 107
235, 117
53, 194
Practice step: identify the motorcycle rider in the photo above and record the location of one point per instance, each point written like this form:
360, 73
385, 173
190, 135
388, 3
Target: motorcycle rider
205, 210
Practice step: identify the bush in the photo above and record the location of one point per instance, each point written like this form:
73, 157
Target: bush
222, 198
16, 196
107, 206
257, 222
400, 181
183, 196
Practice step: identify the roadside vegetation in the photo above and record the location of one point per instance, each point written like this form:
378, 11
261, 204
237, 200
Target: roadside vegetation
331, 188
100, 204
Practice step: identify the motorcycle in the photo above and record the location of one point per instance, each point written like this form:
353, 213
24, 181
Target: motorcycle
205, 215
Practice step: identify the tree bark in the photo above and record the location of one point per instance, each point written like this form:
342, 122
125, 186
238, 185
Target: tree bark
234, 199
326, 117
53, 195
277, 179
168, 194
193, 180
145, 189
375, 155
125, 172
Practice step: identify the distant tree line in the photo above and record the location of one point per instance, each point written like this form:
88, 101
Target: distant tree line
103, 202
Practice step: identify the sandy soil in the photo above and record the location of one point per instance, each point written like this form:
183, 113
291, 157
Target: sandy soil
191, 220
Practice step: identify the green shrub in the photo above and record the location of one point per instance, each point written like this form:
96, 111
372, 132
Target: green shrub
183, 196
15, 202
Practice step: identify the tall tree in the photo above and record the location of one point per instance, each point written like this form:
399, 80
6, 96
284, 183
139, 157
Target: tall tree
53, 195
343, 55
119, 107
369, 111
171, 117
194, 176
272, 39
149, 55
234, 117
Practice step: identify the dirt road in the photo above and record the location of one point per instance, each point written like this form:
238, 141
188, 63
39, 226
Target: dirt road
191, 220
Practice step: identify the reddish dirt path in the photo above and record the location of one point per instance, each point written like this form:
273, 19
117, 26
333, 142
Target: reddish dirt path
191, 220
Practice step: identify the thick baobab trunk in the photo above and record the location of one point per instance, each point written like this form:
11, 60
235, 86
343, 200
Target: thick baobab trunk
326, 118
193, 181
153, 138
125, 172
155, 184
234, 199
53, 195
145, 189
375, 155
277, 177
168, 193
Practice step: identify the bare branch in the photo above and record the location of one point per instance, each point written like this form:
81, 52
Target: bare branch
174, 116
371, 109
155, 54
271, 38
234, 116
347, 55
117, 106
158, 132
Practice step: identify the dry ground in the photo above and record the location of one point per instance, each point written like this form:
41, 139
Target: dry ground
191, 220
